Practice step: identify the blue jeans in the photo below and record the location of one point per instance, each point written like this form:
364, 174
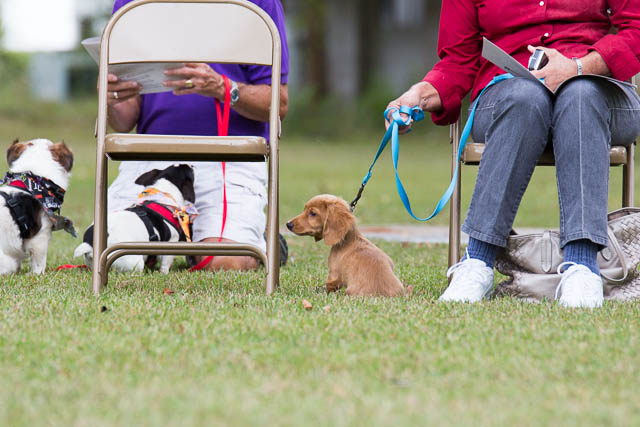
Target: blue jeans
516, 119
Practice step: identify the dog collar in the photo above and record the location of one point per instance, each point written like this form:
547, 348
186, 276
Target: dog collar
156, 195
48, 193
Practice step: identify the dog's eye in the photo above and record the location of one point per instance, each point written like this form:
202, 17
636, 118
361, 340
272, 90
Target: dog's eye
312, 213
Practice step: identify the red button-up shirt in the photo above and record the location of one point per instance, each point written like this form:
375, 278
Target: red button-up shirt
573, 27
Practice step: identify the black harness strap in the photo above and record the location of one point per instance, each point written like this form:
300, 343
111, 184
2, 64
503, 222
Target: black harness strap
152, 222
159, 218
151, 219
25, 212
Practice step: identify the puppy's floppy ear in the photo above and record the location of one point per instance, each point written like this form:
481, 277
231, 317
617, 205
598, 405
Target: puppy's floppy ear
148, 178
63, 155
15, 151
337, 224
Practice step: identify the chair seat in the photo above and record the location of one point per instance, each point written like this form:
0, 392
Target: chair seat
127, 146
473, 153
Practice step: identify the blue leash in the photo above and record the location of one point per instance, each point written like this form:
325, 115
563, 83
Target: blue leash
416, 114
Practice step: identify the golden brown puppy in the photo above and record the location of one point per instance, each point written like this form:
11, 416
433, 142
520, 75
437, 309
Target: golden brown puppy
354, 262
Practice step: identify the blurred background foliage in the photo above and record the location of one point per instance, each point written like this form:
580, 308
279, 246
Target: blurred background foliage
346, 64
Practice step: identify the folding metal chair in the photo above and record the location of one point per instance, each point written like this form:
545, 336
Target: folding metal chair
619, 156
213, 31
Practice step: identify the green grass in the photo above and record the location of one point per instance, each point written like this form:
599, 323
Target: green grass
219, 352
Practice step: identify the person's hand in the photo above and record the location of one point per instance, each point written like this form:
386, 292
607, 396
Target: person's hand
422, 94
410, 98
119, 91
196, 78
558, 69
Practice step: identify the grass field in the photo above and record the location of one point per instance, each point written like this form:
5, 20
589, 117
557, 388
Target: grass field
219, 352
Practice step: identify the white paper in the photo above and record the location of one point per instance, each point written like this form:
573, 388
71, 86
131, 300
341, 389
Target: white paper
149, 75
508, 63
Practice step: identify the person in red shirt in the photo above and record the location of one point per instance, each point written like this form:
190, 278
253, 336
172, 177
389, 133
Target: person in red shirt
516, 119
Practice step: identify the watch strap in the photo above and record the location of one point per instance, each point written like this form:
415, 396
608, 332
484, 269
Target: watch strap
579, 64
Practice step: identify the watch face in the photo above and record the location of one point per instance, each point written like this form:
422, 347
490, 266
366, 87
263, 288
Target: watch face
235, 92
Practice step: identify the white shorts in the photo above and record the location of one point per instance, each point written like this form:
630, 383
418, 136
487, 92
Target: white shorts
246, 185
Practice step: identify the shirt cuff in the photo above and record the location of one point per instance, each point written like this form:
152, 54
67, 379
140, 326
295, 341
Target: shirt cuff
618, 56
451, 101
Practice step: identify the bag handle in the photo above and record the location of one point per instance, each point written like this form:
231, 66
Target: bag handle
613, 242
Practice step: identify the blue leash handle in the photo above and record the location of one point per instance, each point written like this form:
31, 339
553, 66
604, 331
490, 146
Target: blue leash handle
416, 114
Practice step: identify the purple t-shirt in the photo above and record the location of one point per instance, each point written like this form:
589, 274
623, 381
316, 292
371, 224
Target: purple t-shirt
167, 114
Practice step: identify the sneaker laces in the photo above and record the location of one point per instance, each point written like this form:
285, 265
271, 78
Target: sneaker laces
565, 273
466, 268
458, 264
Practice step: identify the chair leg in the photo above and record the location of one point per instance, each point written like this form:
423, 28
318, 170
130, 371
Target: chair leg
628, 177
99, 272
454, 206
273, 242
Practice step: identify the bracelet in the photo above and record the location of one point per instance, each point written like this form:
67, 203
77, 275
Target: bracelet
579, 64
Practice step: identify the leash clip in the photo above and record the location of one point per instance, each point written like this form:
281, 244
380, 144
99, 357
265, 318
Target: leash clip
354, 202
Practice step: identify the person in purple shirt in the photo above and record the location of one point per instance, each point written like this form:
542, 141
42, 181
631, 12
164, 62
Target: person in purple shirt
190, 110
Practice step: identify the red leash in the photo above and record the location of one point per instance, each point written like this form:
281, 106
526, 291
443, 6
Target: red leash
223, 130
70, 267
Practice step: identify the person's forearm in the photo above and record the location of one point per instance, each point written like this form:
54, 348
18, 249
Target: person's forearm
255, 100
594, 64
124, 116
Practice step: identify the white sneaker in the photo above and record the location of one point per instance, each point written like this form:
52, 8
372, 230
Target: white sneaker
472, 281
579, 287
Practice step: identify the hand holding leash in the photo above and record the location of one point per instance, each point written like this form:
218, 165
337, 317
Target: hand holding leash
403, 116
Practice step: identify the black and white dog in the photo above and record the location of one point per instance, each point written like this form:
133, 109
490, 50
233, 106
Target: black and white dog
163, 213
32, 194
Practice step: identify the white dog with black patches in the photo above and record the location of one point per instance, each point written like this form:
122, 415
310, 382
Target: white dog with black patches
164, 212
32, 195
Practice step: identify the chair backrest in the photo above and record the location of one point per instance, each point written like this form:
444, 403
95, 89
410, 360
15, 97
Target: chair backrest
194, 31
214, 31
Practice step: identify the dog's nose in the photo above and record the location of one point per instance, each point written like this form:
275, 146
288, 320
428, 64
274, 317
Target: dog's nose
290, 225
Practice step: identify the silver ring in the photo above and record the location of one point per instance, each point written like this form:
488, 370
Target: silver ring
188, 84
115, 95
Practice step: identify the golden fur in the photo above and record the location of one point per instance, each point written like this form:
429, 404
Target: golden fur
354, 262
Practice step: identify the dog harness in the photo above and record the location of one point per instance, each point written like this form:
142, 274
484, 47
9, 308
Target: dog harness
155, 216
39, 193
180, 217
24, 210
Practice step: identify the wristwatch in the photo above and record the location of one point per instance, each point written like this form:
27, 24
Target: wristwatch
235, 92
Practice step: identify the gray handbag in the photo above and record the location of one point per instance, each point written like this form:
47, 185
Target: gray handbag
531, 261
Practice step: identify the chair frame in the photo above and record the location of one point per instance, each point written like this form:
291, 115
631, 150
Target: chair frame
620, 156
152, 147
